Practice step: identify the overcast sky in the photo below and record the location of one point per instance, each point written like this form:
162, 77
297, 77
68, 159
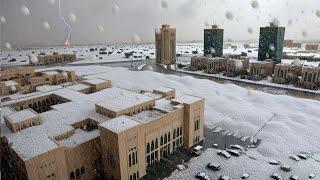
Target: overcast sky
141, 17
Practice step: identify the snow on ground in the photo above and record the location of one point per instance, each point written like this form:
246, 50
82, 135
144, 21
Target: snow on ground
294, 125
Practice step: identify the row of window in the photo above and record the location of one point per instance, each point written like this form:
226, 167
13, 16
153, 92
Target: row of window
77, 173
133, 157
196, 123
152, 158
197, 139
134, 176
111, 160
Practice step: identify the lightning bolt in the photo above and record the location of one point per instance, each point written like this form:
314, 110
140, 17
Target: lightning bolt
67, 41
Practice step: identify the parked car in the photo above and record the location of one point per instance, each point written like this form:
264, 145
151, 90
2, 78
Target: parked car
202, 176
245, 176
312, 176
294, 157
276, 176
294, 177
302, 156
286, 168
224, 153
224, 178
274, 162
233, 152
236, 147
214, 166
197, 151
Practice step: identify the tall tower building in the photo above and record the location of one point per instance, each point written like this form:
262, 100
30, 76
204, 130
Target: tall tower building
271, 43
166, 45
213, 41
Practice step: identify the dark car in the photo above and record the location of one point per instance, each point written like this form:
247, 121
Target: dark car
233, 152
202, 176
214, 166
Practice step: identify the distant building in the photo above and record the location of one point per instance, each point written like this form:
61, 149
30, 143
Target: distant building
286, 73
310, 78
213, 42
259, 70
112, 133
166, 45
271, 43
312, 47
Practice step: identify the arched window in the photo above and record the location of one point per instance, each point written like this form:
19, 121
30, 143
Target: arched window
129, 160
134, 176
148, 147
178, 132
156, 143
133, 158
169, 137
165, 138
161, 140
152, 145
174, 133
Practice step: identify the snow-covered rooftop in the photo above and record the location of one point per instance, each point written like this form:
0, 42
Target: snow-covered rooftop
163, 89
95, 81
125, 102
120, 124
10, 83
164, 105
153, 95
186, 99
23, 115
79, 137
50, 73
148, 115
79, 87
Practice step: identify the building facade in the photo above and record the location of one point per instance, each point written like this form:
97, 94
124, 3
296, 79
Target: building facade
52, 59
165, 40
271, 43
286, 73
312, 47
310, 78
260, 69
213, 42
112, 133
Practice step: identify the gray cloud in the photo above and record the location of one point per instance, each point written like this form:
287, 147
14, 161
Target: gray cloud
143, 16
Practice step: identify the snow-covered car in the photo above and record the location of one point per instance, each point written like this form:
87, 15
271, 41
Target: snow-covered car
233, 152
294, 177
202, 176
312, 176
245, 176
302, 156
274, 162
236, 147
276, 176
286, 168
214, 166
295, 157
224, 153
224, 178
197, 151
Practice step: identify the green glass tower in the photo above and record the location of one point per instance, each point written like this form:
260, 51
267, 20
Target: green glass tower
213, 42
271, 43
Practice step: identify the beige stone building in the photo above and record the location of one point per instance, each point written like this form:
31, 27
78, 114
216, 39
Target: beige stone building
312, 47
111, 133
52, 59
166, 45
26, 80
310, 78
286, 73
260, 69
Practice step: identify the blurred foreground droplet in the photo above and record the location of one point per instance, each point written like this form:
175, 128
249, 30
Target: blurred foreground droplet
250, 30
100, 28
7, 45
229, 15
136, 39
318, 13
51, 2
255, 4
304, 34
3, 19
25, 11
46, 25
115, 9
164, 4
72, 17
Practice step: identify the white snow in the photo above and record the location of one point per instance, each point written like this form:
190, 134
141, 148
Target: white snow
120, 124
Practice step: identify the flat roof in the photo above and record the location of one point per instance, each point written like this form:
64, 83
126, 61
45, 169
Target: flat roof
153, 95
79, 87
163, 89
51, 72
164, 105
187, 99
148, 115
79, 137
95, 81
23, 115
125, 102
120, 124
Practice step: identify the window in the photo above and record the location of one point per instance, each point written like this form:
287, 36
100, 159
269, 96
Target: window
148, 148
129, 160
77, 173
180, 131
156, 143
161, 141
82, 170
174, 133
152, 145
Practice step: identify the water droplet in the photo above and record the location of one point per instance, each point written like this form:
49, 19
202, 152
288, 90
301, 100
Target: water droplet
290, 22
318, 13
136, 39
46, 25
207, 24
72, 17
115, 9
25, 11
229, 15
164, 4
304, 34
275, 22
3, 19
250, 30
271, 47
7, 45
51, 2
100, 28
255, 4
212, 51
